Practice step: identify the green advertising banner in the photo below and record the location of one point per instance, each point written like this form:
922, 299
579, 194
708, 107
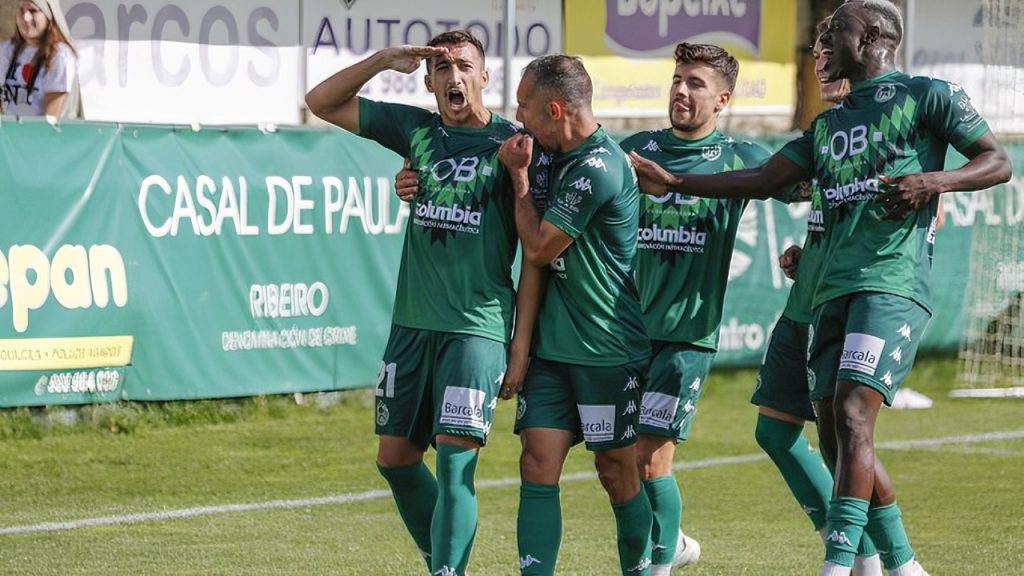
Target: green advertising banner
154, 263
149, 263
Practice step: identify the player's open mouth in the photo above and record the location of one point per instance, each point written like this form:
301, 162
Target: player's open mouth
680, 106
456, 99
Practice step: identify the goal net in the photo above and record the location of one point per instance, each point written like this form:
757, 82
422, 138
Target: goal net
992, 347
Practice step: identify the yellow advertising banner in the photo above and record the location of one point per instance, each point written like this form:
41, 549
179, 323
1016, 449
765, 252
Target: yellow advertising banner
627, 46
65, 353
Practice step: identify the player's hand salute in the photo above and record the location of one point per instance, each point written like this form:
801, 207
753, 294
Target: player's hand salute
407, 59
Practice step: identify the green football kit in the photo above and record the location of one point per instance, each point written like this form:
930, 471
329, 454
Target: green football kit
891, 125
590, 336
454, 280
684, 248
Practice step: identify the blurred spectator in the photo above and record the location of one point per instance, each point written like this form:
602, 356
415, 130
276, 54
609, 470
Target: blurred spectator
39, 63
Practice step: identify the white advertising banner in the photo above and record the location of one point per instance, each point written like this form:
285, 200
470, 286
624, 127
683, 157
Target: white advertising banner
339, 33
188, 61
977, 47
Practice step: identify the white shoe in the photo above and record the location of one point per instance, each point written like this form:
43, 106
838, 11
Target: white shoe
907, 399
687, 551
912, 568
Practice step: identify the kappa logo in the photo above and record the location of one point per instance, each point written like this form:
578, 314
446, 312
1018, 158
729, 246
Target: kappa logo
632, 384
541, 179
493, 405
885, 93
629, 433
651, 146
527, 561
809, 510
644, 564
905, 331
689, 406
630, 408
839, 538
897, 355
695, 385
598, 150
711, 153
595, 163
446, 571
383, 414
887, 379
582, 184
543, 160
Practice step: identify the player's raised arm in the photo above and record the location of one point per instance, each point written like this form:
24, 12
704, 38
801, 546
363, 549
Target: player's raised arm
542, 242
987, 166
753, 183
335, 100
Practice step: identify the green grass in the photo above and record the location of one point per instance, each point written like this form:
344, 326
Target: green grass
961, 502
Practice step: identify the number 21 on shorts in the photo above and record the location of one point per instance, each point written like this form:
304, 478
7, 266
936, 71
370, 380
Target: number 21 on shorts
386, 380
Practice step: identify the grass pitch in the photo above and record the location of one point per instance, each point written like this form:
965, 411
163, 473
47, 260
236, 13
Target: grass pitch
273, 488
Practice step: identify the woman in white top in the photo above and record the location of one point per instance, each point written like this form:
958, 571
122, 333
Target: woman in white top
38, 63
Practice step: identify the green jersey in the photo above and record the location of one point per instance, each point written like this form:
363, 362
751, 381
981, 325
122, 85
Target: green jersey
685, 243
800, 305
891, 125
456, 268
591, 312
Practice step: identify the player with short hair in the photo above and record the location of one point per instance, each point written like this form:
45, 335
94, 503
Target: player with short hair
591, 350
684, 249
446, 355
879, 159
781, 394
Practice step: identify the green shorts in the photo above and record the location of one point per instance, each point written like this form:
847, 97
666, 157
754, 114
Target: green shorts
599, 404
675, 381
782, 382
868, 337
434, 383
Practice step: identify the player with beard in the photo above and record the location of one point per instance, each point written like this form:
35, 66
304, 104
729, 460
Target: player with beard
446, 355
591, 350
684, 250
878, 158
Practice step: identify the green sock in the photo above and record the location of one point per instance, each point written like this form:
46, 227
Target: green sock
454, 526
633, 521
867, 545
538, 529
846, 520
415, 493
802, 468
667, 505
885, 526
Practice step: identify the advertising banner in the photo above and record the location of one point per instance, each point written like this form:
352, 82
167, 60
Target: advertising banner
628, 45
185, 61
149, 263
975, 44
339, 33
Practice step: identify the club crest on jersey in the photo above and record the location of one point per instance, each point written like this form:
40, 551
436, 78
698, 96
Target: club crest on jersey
383, 414
711, 153
885, 93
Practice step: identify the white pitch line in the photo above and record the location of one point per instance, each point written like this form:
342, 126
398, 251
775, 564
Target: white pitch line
495, 483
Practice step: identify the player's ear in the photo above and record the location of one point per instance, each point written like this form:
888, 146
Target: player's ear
556, 109
486, 77
872, 33
427, 81
724, 97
